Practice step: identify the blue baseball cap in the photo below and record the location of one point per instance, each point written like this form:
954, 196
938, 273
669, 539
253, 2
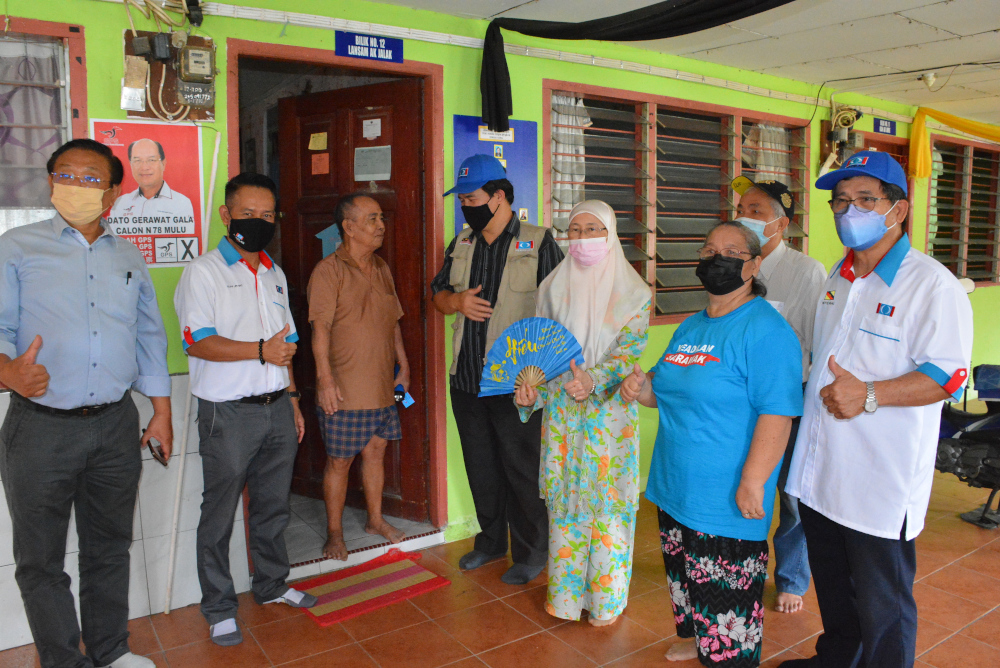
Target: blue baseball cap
475, 172
876, 164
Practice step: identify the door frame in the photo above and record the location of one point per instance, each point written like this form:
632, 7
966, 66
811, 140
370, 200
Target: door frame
433, 158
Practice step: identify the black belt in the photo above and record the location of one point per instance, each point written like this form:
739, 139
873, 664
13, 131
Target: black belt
82, 411
262, 399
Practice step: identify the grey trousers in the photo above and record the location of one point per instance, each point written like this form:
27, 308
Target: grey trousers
252, 445
49, 464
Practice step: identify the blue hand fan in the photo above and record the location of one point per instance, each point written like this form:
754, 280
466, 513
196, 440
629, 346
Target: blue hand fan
532, 350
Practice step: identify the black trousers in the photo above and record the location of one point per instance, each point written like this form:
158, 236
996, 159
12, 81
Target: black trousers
502, 461
254, 445
50, 464
864, 585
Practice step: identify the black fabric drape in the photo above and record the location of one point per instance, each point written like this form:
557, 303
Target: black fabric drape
664, 19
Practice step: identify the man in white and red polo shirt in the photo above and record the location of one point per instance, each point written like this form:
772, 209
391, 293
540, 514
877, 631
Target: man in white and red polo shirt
232, 303
892, 341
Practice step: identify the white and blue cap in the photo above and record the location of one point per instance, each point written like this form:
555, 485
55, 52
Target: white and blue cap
876, 164
475, 172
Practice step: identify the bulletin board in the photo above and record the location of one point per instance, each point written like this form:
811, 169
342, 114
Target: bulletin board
517, 149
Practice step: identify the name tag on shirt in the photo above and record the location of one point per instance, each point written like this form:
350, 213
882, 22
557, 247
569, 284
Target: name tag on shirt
525, 245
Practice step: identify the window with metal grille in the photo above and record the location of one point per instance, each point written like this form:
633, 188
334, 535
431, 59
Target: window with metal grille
598, 151
964, 217
666, 171
35, 119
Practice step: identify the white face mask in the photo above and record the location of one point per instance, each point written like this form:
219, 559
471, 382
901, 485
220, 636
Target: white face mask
758, 228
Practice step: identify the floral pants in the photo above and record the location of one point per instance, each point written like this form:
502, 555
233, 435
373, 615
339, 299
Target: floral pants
590, 565
716, 591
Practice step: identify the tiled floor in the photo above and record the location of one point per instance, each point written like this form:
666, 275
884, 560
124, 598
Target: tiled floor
479, 620
306, 532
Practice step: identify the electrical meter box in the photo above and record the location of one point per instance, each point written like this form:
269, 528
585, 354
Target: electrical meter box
197, 64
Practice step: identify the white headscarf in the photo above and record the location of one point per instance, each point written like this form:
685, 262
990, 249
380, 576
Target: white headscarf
595, 302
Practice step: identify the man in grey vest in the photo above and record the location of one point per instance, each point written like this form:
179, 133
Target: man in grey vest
490, 279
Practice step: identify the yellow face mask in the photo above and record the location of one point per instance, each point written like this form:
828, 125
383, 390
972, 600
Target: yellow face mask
76, 204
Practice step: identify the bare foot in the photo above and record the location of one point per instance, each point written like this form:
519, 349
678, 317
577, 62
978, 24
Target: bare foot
602, 622
335, 547
684, 650
788, 602
383, 528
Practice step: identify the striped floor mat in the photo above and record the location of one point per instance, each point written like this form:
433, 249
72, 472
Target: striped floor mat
351, 592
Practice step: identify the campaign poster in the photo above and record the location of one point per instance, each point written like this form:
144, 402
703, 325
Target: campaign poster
160, 208
516, 149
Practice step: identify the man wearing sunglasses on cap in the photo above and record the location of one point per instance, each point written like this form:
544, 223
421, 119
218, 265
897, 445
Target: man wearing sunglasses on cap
794, 285
79, 329
892, 341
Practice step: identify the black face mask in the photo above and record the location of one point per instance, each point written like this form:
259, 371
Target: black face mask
478, 217
720, 274
251, 234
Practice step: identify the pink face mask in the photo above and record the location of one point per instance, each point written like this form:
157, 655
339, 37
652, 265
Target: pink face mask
589, 252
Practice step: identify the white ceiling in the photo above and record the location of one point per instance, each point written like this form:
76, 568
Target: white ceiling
823, 40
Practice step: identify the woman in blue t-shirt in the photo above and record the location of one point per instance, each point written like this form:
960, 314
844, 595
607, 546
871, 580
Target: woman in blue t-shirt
726, 388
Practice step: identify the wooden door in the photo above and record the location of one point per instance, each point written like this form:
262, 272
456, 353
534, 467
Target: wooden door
312, 181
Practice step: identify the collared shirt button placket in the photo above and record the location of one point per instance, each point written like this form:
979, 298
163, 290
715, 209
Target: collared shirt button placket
93, 318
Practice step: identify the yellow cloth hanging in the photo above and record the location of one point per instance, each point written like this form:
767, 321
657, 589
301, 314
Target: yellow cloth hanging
920, 142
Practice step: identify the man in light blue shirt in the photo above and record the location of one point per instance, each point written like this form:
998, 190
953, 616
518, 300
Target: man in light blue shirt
79, 328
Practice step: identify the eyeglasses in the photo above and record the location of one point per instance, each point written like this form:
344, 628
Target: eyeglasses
144, 161
589, 230
72, 179
709, 253
840, 204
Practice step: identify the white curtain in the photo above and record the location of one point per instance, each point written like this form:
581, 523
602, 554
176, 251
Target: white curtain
766, 148
568, 163
33, 123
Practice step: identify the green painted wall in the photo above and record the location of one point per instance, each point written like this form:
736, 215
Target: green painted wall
104, 23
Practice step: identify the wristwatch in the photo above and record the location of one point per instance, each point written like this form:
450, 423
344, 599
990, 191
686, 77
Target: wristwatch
294, 395
871, 405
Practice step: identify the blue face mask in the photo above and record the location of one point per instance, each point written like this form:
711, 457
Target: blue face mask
859, 229
758, 228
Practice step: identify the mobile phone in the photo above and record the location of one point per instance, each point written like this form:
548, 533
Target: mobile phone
156, 450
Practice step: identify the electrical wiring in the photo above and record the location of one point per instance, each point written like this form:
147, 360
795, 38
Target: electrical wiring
158, 11
953, 67
165, 116
186, 109
945, 81
844, 118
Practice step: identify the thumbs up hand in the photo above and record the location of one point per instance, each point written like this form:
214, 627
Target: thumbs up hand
633, 384
582, 384
277, 351
22, 375
845, 396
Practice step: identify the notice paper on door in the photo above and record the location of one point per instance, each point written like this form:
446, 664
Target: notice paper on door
372, 128
317, 141
373, 163
320, 163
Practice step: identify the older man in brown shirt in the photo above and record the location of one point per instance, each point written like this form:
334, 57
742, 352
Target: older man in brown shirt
355, 316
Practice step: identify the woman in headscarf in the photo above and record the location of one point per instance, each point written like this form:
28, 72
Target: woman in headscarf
590, 436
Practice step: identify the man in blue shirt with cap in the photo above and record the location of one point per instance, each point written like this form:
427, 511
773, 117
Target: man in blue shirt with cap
892, 340
490, 278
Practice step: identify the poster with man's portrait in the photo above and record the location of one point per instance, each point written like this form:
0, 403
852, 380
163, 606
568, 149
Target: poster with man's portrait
160, 208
